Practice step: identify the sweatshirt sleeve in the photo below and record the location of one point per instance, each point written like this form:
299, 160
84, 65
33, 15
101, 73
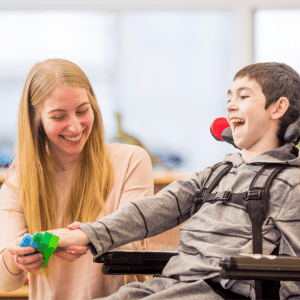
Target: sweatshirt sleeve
288, 222
144, 217
13, 221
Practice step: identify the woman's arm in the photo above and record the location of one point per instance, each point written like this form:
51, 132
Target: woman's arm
12, 223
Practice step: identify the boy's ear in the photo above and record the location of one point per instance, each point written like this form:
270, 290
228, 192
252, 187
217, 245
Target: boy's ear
279, 108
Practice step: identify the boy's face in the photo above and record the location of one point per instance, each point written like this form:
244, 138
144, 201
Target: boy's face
251, 124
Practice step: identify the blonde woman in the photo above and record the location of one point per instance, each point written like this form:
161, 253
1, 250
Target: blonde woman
64, 172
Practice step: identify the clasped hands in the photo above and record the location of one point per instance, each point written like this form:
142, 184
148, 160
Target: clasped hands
72, 243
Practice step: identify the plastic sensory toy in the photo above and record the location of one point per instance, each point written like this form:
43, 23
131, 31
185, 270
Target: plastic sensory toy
45, 243
217, 127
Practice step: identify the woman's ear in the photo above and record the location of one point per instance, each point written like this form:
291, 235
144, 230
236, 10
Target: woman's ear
279, 108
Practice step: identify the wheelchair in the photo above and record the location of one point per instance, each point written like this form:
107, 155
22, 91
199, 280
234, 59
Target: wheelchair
269, 268
266, 269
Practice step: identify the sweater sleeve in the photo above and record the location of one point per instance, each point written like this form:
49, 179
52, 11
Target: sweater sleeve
12, 219
144, 217
137, 182
288, 222
138, 178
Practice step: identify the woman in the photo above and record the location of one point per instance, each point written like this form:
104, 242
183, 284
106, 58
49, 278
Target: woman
64, 173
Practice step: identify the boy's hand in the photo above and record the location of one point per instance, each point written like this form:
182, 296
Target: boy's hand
70, 237
74, 251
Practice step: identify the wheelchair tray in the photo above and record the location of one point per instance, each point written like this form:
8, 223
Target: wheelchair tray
256, 266
134, 262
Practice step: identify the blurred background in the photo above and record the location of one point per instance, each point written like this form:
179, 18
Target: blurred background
160, 69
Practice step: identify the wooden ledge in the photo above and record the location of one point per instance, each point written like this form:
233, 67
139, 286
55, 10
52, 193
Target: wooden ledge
22, 292
166, 177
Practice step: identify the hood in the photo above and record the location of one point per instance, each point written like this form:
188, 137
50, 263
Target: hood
288, 154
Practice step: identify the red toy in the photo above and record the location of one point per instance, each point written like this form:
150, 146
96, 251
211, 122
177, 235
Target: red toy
217, 127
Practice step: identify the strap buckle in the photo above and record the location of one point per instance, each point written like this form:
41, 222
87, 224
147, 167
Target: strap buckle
254, 195
223, 196
196, 202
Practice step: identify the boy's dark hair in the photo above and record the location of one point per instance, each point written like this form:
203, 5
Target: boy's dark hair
276, 80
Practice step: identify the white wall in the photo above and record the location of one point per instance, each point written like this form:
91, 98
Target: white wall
244, 9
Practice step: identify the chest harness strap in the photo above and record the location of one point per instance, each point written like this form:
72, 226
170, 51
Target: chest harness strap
256, 202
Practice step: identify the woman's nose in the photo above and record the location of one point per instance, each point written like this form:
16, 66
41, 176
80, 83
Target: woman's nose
74, 125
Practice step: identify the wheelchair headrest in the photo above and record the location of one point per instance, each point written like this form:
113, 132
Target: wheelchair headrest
292, 133
221, 131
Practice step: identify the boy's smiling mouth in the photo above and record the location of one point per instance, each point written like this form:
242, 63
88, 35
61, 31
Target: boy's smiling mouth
236, 123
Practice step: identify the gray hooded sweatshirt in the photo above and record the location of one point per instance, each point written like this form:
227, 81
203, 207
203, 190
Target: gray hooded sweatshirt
216, 230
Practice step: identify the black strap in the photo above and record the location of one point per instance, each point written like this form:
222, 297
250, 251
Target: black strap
258, 209
224, 293
217, 179
277, 170
198, 200
255, 210
258, 206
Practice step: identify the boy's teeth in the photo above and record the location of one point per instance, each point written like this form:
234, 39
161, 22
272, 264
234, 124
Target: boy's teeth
237, 123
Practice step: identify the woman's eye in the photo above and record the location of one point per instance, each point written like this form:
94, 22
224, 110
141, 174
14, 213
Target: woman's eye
83, 111
244, 96
58, 117
228, 101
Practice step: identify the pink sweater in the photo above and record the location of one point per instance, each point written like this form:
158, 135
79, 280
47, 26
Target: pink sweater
81, 279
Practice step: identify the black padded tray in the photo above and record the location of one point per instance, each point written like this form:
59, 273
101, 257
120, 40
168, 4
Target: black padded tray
257, 266
134, 262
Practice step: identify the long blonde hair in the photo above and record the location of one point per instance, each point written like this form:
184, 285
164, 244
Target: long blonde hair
93, 180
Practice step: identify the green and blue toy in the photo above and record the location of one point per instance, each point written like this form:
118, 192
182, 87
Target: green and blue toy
45, 243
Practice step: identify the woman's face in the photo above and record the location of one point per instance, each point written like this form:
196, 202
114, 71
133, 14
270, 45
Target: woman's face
67, 118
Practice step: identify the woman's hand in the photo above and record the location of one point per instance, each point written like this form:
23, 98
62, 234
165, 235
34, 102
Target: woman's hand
15, 260
71, 255
73, 252
74, 225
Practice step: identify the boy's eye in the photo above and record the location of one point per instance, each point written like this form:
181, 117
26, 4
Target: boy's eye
244, 96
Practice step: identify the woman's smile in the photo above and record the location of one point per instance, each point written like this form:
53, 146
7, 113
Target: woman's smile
72, 138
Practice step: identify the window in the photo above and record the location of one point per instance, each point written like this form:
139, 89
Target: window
276, 36
166, 72
26, 37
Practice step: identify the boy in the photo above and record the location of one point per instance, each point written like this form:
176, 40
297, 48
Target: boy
262, 101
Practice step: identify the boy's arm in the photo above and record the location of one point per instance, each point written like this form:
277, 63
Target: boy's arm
144, 217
